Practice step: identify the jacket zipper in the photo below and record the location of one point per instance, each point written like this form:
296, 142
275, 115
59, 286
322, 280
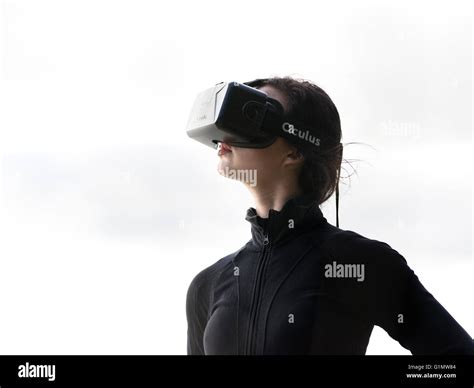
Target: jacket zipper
256, 296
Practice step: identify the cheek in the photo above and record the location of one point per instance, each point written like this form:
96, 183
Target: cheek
245, 156
251, 158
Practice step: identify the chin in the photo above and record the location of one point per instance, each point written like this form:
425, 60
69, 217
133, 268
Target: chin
222, 167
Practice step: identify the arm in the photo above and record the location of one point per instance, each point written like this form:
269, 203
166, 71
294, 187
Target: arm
412, 316
196, 313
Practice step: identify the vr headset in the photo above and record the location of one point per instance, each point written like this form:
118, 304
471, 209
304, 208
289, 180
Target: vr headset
242, 116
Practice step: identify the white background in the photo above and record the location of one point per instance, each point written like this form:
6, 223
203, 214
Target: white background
108, 210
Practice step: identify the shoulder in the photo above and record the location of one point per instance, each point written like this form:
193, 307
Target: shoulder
366, 273
352, 246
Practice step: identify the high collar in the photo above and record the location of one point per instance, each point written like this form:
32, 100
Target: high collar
298, 214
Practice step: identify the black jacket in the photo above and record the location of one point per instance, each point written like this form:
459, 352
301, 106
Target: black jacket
303, 286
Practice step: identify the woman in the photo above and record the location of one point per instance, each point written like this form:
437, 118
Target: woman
302, 285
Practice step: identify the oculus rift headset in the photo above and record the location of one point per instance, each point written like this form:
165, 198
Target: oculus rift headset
243, 116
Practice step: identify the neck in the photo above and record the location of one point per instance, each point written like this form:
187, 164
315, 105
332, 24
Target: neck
273, 197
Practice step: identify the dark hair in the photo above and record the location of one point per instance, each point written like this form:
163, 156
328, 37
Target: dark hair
309, 104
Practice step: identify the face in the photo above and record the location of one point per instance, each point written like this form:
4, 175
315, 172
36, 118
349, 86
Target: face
271, 164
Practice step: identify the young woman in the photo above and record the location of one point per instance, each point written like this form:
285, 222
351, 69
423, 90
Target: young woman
302, 285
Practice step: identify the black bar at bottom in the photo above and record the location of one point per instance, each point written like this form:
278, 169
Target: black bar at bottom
314, 371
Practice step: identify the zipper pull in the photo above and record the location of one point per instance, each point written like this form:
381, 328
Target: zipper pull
265, 240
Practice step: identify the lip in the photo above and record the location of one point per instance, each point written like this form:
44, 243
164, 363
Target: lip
224, 149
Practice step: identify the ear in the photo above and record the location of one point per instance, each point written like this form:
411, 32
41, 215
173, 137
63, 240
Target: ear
294, 157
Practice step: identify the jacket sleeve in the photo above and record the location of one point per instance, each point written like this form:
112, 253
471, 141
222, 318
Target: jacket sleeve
196, 314
412, 316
